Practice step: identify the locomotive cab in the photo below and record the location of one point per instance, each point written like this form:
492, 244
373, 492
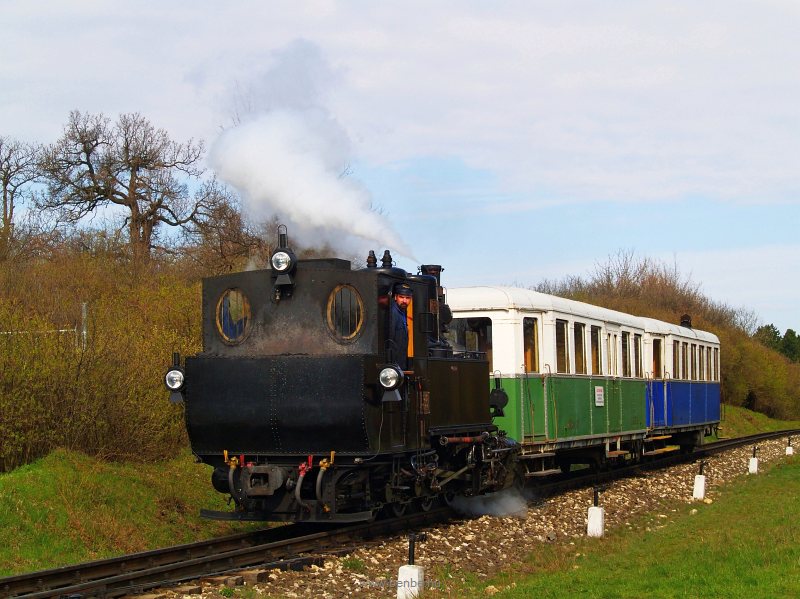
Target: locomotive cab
306, 407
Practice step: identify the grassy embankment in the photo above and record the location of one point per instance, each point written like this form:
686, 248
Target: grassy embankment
739, 422
68, 508
742, 545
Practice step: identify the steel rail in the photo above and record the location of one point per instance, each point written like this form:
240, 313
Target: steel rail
588, 477
134, 573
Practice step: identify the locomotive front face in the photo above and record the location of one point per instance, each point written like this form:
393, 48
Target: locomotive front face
288, 374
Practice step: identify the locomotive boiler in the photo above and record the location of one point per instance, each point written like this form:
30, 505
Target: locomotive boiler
308, 408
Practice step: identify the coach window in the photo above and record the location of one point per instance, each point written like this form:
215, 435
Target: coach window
657, 373
626, 359
676, 360
579, 335
597, 361
701, 363
685, 361
562, 349
611, 342
530, 334
709, 368
693, 360
637, 356
716, 364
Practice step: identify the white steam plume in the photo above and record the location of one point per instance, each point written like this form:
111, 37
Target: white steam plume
286, 158
506, 503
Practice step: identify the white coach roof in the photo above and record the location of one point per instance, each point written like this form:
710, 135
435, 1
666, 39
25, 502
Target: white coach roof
475, 299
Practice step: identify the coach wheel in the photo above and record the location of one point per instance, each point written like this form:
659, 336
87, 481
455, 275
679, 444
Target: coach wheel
398, 509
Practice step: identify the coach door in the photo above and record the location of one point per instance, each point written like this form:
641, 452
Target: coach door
656, 391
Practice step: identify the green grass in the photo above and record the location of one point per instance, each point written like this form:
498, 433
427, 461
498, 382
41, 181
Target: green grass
739, 422
68, 508
742, 545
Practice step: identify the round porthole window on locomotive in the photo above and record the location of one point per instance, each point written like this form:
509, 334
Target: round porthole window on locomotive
345, 313
233, 316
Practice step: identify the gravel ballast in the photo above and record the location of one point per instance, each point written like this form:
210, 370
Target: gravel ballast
486, 544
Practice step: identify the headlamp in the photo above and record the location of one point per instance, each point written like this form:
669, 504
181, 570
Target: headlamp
174, 379
281, 261
390, 377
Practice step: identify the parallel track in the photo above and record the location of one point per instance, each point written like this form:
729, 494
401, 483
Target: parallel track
282, 546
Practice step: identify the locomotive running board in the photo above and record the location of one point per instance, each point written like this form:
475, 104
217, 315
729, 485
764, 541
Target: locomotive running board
265, 516
240, 516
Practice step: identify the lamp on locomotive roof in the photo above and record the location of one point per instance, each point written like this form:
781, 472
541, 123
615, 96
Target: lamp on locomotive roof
284, 263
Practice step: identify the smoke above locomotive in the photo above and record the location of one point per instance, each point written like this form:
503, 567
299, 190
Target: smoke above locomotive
310, 406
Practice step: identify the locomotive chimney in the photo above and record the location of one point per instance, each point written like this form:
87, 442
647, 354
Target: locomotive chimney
686, 321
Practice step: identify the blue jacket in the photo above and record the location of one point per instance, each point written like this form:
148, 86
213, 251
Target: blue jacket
398, 332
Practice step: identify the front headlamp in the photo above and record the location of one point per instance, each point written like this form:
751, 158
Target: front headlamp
281, 261
174, 379
390, 377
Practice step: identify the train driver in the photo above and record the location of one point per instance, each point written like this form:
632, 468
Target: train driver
398, 323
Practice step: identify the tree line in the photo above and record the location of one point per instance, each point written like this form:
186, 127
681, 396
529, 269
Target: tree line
153, 182
787, 344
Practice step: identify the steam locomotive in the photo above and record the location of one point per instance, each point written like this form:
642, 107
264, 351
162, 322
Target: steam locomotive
309, 410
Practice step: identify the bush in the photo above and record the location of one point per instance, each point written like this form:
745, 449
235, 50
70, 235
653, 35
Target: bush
104, 396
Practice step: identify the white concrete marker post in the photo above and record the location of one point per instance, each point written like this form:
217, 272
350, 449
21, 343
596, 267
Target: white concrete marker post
753, 467
789, 448
699, 491
597, 517
411, 578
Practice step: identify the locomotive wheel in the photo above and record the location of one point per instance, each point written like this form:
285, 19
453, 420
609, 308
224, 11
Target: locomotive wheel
426, 503
397, 509
448, 497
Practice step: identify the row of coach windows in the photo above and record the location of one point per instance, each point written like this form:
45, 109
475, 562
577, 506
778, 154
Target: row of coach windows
586, 356
695, 362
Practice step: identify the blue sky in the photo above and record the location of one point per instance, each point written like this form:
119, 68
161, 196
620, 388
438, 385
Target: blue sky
509, 141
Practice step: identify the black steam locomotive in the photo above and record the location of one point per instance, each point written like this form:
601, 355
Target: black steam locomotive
308, 409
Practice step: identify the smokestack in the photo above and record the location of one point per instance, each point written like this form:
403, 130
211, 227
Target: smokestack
686, 321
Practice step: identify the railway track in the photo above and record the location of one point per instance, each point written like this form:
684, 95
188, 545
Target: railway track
588, 477
285, 546
294, 545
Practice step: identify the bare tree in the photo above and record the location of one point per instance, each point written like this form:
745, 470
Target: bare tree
128, 163
18, 170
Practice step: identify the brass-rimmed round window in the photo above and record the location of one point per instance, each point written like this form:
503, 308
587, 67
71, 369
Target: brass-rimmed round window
233, 316
345, 312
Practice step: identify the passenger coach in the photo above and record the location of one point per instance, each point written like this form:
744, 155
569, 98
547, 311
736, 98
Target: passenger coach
587, 385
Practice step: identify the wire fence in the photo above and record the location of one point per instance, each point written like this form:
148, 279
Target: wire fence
81, 331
